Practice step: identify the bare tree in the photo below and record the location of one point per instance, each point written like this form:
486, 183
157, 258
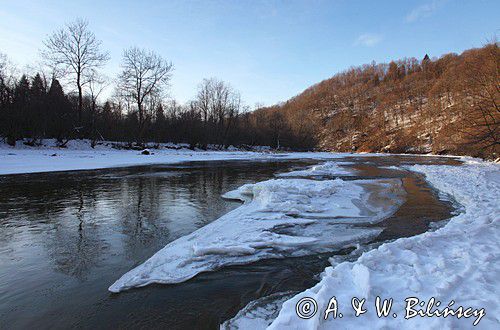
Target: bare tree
97, 84
481, 106
219, 105
74, 50
3, 65
8, 72
3, 80
277, 123
144, 74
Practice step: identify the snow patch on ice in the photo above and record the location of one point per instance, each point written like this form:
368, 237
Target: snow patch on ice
324, 169
259, 313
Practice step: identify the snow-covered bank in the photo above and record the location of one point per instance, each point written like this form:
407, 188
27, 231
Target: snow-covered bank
78, 155
280, 218
459, 262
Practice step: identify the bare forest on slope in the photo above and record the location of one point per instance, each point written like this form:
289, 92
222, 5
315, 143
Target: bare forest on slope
448, 105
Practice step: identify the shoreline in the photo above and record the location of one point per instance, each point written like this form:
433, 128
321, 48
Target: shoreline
80, 156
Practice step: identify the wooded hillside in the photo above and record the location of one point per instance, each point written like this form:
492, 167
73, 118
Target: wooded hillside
448, 105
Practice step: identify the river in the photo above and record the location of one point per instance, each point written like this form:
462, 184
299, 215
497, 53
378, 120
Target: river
66, 236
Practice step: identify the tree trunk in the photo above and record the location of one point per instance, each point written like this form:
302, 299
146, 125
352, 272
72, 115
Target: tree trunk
80, 100
141, 120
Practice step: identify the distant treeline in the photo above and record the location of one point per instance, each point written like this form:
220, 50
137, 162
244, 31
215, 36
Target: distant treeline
35, 106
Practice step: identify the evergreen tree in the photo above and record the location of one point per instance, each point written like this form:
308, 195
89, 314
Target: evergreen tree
60, 112
37, 114
19, 113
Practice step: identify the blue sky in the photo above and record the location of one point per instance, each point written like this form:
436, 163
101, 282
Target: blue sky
268, 50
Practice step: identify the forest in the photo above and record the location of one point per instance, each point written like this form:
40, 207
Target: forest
441, 105
446, 105
63, 100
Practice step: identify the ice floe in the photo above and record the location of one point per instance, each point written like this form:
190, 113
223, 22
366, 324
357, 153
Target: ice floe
324, 169
259, 313
279, 218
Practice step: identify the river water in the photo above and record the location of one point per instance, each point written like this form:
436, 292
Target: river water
66, 236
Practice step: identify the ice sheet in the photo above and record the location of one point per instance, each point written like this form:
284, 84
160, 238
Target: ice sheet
325, 169
280, 218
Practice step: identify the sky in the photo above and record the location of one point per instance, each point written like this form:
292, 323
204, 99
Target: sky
268, 50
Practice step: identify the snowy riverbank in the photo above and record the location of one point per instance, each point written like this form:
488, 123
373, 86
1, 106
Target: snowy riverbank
458, 265
78, 155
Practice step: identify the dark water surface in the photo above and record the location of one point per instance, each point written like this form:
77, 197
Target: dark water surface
65, 237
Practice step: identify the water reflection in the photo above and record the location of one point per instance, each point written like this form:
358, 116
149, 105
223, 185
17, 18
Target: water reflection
65, 237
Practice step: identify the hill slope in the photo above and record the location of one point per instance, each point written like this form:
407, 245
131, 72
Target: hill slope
445, 105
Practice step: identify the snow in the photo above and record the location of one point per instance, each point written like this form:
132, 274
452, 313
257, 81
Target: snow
78, 155
325, 169
458, 262
258, 314
280, 218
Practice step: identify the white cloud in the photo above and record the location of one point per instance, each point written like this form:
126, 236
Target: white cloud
368, 39
423, 11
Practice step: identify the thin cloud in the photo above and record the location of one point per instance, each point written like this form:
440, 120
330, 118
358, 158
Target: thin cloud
368, 39
423, 11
